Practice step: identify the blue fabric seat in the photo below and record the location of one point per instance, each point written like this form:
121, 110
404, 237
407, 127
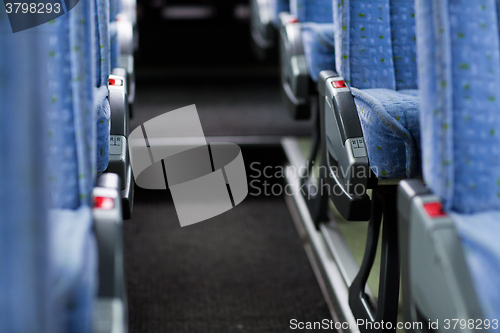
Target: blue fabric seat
319, 48
318, 11
459, 73
390, 122
317, 33
279, 6
114, 9
71, 138
103, 69
49, 260
25, 275
376, 54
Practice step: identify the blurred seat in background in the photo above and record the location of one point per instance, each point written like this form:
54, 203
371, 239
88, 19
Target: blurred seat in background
111, 83
264, 23
306, 48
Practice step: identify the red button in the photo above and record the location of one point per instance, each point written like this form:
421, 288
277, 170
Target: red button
104, 203
115, 82
339, 84
293, 20
434, 209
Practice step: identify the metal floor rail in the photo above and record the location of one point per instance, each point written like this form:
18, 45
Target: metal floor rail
331, 259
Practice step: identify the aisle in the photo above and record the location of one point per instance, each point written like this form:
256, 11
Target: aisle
243, 271
230, 102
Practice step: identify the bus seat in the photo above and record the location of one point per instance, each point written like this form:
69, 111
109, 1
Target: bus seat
49, 251
370, 105
25, 275
319, 49
126, 34
114, 44
457, 214
122, 44
318, 11
101, 105
306, 48
369, 134
264, 23
129, 10
114, 80
123, 19
277, 7
71, 165
114, 9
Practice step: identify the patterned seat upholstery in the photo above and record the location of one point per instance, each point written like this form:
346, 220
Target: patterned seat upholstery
459, 73
114, 9
319, 48
278, 6
103, 69
318, 11
317, 34
71, 159
25, 276
375, 53
47, 243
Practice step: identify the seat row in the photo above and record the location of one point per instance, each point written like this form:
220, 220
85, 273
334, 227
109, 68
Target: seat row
65, 174
401, 90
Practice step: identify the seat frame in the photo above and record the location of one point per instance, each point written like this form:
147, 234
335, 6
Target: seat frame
125, 32
111, 310
339, 139
298, 89
263, 31
119, 159
436, 283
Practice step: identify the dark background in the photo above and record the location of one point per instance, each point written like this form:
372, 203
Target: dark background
221, 40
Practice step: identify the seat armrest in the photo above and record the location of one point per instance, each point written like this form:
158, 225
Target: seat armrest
345, 157
262, 28
407, 190
261, 24
117, 95
119, 160
107, 213
111, 310
295, 80
437, 284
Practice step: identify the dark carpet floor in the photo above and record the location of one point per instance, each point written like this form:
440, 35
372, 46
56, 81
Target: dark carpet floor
227, 106
242, 271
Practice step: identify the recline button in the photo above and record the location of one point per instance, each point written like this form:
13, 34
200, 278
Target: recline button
104, 203
339, 84
115, 82
434, 209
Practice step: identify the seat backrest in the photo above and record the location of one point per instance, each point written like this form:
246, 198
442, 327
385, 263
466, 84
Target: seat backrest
103, 70
275, 8
363, 45
375, 43
71, 118
114, 10
318, 11
47, 276
25, 305
459, 75
70, 78
72, 162
404, 43
103, 63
